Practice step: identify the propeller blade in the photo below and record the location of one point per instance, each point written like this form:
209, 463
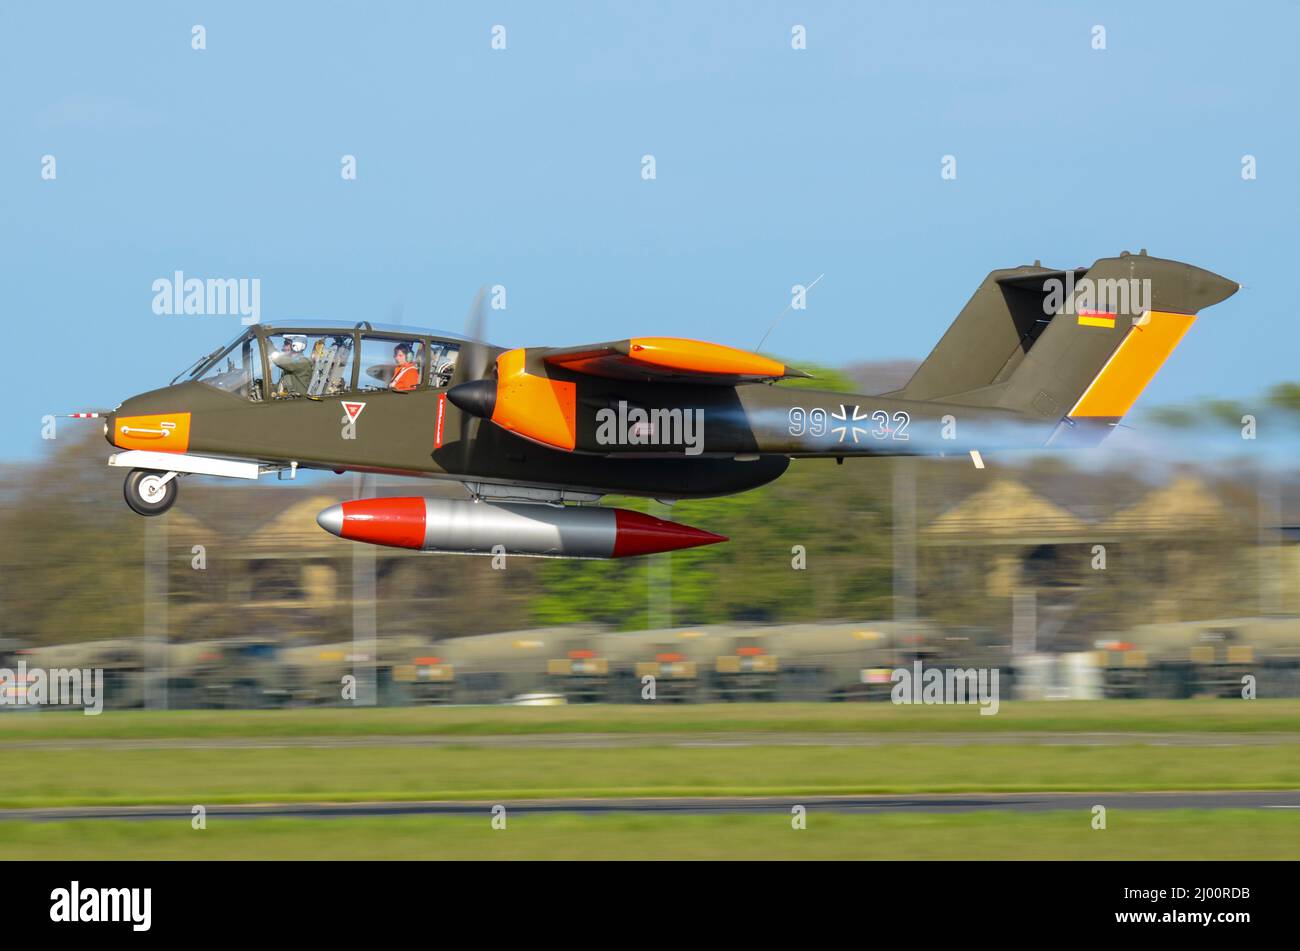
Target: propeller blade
476, 319
475, 354
473, 363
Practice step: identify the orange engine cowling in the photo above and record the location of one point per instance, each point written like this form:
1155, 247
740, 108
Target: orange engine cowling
535, 407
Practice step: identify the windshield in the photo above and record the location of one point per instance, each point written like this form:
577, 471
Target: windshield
195, 369
237, 369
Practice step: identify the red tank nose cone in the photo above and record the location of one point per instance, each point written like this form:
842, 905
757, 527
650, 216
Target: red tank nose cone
638, 534
398, 523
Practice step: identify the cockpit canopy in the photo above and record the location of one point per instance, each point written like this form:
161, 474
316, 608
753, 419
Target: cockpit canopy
273, 362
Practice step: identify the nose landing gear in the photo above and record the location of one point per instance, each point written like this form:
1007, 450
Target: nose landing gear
149, 492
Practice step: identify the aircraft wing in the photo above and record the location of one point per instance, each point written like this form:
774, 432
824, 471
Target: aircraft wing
653, 359
527, 399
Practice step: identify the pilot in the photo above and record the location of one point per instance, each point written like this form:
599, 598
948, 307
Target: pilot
295, 366
407, 375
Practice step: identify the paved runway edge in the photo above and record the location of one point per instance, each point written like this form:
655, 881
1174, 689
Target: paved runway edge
696, 805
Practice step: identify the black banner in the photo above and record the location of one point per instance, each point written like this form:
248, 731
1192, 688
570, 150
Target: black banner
238, 901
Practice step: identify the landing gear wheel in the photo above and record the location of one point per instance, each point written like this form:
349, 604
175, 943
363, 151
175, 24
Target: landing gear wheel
147, 493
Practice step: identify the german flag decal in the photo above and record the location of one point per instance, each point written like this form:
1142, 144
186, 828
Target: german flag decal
1095, 318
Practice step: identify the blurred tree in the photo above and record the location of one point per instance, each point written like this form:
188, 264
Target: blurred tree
1173, 417
72, 550
1285, 396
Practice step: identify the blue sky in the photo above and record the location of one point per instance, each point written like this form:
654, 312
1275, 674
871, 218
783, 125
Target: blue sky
522, 167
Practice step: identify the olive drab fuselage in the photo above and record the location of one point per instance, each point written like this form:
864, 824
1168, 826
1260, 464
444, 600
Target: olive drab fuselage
671, 418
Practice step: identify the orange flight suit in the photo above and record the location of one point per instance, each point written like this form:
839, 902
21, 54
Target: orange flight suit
407, 377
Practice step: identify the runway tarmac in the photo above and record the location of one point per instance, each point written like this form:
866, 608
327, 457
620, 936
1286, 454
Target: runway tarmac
919, 803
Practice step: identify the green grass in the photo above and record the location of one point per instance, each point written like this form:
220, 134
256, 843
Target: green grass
1106, 716
306, 774
1227, 834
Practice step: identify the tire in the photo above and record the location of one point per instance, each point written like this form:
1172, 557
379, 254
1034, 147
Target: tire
145, 496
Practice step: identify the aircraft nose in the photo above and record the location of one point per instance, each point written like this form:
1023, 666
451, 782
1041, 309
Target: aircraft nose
331, 519
476, 397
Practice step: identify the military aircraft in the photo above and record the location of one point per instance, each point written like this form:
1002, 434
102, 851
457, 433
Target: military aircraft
538, 435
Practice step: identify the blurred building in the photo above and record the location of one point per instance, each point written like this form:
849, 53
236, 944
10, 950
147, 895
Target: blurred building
1066, 563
